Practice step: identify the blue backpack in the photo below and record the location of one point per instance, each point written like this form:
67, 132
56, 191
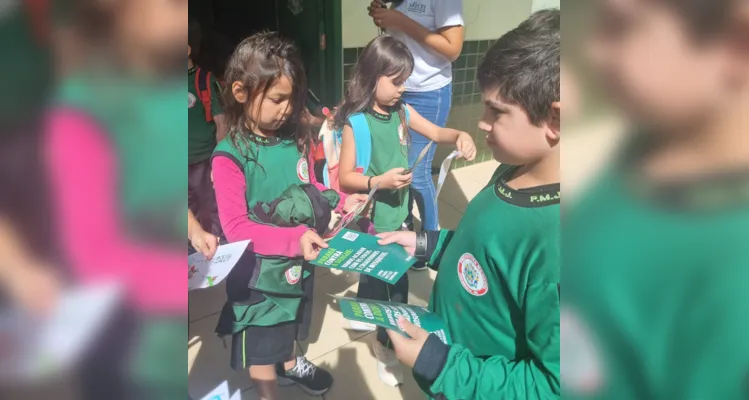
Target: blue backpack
363, 139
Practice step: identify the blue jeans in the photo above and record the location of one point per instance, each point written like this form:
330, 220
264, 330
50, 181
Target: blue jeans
435, 107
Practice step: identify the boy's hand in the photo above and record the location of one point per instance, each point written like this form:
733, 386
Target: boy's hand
466, 146
405, 239
353, 201
407, 349
204, 242
393, 179
311, 243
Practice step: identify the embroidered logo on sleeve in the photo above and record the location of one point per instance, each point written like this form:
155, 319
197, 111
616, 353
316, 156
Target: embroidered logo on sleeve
472, 276
302, 170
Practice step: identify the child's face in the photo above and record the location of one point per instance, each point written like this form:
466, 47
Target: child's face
511, 136
653, 68
271, 111
389, 90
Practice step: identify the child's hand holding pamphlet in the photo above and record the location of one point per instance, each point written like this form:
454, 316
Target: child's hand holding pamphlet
386, 314
359, 252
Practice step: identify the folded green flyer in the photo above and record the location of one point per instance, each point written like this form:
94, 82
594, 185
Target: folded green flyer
359, 252
385, 314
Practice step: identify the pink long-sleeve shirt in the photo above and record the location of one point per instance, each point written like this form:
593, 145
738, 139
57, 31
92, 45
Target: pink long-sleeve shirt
82, 166
230, 185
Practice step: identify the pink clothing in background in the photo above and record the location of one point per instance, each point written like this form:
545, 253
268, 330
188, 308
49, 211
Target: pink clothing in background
83, 171
230, 185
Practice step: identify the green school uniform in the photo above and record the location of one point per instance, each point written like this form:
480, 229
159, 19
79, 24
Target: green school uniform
497, 291
201, 134
389, 150
270, 166
655, 303
147, 129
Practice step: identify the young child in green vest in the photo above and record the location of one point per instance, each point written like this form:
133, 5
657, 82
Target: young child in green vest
206, 127
497, 285
375, 90
266, 151
655, 252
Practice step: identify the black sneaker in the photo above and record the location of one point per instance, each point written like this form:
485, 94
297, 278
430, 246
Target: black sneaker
313, 380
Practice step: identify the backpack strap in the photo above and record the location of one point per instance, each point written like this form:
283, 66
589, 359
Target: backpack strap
363, 139
203, 88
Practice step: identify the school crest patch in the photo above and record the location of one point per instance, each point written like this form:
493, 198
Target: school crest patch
302, 170
293, 274
191, 100
581, 372
472, 276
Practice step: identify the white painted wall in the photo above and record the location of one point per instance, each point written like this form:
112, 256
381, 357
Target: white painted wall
485, 19
544, 4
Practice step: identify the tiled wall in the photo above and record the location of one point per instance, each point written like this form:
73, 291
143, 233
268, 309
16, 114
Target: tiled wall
466, 102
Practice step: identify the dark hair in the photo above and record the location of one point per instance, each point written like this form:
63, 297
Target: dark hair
257, 63
194, 37
704, 18
383, 56
524, 65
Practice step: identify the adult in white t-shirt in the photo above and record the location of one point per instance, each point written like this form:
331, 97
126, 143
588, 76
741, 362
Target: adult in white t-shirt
433, 30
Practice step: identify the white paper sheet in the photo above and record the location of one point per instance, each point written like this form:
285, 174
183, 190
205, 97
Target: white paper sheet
444, 169
207, 273
221, 392
44, 347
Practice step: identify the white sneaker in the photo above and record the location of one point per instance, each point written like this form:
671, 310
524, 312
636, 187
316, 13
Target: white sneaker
362, 326
389, 368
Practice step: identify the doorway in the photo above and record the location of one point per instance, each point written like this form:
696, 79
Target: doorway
313, 25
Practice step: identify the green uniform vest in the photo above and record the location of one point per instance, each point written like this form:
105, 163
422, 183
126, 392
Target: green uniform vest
497, 285
146, 127
389, 150
270, 167
655, 303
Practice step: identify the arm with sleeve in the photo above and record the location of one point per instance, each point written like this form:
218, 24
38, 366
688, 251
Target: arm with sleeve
453, 372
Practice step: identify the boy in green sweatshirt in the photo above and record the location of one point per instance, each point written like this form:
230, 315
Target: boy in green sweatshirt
655, 258
497, 287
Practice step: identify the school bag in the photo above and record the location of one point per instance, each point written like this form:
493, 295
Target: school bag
331, 141
203, 89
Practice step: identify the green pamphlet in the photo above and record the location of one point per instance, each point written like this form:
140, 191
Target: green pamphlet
359, 252
385, 314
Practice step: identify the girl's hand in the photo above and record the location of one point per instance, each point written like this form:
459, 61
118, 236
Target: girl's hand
311, 243
466, 146
204, 242
36, 288
393, 179
403, 238
353, 201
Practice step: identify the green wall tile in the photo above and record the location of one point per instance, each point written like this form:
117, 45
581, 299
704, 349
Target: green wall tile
349, 56
460, 62
459, 76
471, 47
